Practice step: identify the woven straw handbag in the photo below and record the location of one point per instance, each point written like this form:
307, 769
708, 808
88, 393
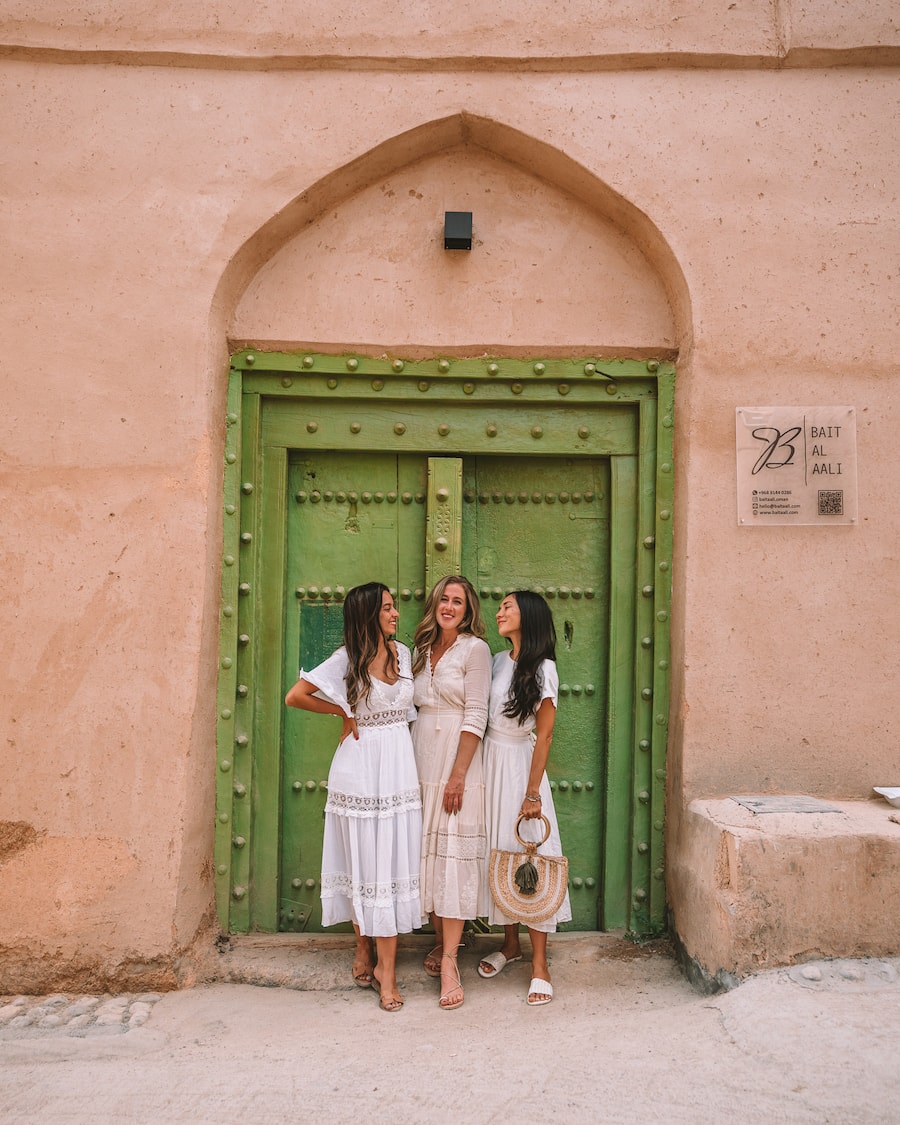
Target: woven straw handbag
528, 887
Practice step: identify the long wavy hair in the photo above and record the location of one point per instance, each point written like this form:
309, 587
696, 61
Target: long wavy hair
362, 635
428, 630
537, 645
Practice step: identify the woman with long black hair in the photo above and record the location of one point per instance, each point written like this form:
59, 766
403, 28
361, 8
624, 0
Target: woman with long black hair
524, 692
373, 815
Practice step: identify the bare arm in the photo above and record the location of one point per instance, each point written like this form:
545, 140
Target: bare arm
546, 717
302, 696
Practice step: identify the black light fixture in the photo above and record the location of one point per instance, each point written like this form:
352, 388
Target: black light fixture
457, 230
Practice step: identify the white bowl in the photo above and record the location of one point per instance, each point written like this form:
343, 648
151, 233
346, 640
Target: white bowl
891, 795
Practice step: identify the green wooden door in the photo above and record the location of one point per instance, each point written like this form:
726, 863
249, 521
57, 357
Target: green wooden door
535, 523
553, 474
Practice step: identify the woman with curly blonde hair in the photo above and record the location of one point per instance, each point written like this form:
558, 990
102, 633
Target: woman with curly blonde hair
452, 674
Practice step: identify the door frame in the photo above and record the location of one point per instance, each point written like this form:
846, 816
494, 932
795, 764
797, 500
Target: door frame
618, 409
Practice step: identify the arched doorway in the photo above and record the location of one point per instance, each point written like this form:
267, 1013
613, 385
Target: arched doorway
560, 468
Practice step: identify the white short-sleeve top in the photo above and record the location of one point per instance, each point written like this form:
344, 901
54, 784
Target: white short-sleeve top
504, 665
330, 678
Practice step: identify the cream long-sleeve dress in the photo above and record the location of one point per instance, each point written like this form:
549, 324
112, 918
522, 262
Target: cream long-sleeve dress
508, 748
449, 700
373, 814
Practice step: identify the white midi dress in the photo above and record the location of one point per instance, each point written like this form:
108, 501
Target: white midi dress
508, 747
373, 814
449, 700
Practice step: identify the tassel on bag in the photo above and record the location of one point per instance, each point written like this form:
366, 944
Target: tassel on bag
527, 878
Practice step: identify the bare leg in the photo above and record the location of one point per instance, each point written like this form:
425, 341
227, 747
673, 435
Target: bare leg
452, 994
539, 966
363, 959
385, 973
510, 948
432, 963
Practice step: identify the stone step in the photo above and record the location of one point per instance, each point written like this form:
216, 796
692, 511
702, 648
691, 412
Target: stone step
321, 962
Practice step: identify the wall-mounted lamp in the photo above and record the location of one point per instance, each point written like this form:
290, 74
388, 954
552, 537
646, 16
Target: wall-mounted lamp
457, 230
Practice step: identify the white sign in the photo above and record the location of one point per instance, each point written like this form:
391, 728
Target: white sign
796, 464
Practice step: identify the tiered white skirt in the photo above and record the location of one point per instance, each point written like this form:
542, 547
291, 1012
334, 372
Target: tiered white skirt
373, 832
507, 763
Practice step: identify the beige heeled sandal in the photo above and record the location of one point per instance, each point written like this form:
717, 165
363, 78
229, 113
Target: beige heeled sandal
442, 1004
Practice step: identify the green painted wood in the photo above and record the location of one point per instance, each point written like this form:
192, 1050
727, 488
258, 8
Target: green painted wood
664, 513
525, 413
621, 701
267, 593
443, 534
543, 524
340, 368
642, 766
349, 521
412, 476
519, 427
228, 644
413, 392
246, 659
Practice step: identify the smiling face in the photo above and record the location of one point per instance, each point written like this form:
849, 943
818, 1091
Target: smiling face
452, 608
509, 619
388, 615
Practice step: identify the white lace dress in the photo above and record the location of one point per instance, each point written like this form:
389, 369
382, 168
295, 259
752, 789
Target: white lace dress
451, 699
508, 747
373, 815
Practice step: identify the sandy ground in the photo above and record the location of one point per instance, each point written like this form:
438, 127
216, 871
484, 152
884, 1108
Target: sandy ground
624, 1041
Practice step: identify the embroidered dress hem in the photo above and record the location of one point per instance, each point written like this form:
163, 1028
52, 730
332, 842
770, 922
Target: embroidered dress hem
363, 805
453, 851
379, 910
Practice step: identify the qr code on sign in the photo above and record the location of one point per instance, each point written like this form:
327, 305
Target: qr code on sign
831, 502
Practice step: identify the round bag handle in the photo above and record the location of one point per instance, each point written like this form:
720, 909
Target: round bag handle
538, 843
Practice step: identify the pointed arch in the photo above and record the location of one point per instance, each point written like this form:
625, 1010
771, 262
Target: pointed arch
475, 134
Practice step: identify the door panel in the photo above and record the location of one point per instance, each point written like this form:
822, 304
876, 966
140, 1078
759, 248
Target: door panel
540, 524
352, 518
543, 524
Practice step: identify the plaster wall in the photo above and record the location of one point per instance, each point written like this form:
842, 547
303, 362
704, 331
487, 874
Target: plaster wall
533, 30
135, 196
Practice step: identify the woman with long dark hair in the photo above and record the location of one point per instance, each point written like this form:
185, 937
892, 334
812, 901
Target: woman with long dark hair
373, 815
452, 670
524, 692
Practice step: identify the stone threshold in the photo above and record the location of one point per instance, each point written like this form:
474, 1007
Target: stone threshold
321, 962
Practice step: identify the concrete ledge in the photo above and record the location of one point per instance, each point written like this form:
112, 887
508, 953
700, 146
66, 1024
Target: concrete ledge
754, 891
